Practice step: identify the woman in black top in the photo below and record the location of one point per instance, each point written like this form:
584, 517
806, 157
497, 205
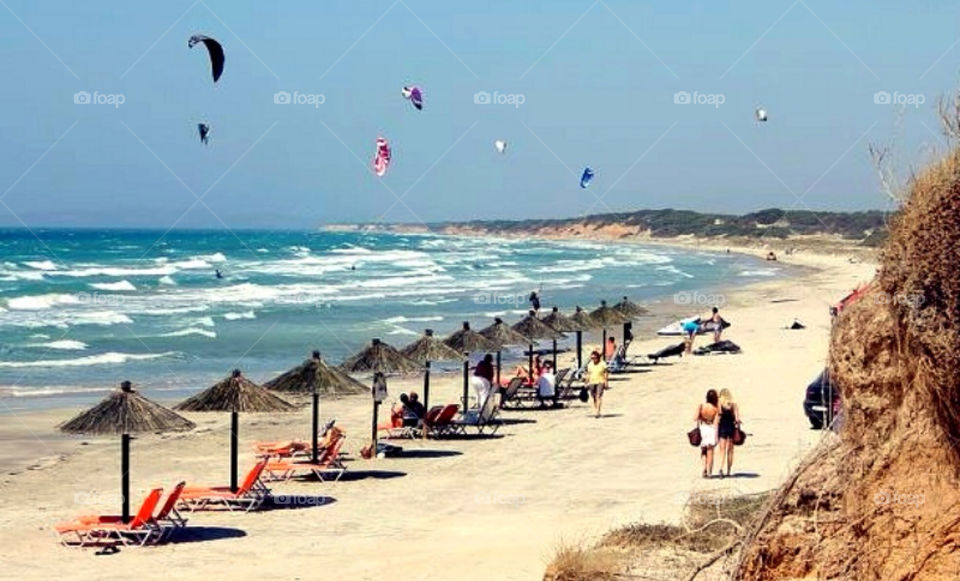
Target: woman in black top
727, 426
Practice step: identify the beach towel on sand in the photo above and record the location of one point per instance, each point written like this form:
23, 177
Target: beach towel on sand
670, 351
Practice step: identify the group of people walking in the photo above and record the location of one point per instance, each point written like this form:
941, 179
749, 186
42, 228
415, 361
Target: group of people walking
718, 420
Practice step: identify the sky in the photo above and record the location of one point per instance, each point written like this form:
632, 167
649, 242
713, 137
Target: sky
573, 83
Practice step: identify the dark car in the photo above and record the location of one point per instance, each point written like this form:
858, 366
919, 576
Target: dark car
822, 401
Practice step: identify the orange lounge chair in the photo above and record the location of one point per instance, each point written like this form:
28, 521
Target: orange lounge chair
442, 425
329, 461
281, 449
167, 521
139, 531
249, 495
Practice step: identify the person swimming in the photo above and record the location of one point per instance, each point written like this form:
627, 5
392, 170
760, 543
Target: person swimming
218, 273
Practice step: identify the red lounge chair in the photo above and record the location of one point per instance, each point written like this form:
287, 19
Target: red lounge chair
249, 495
442, 423
167, 521
329, 461
138, 531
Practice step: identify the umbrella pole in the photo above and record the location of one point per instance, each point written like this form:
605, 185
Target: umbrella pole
554, 354
603, 345
530, 369
234, 446
125, 475
316, 423
466, 372
373, 432
426, 386
498, 370
579, 350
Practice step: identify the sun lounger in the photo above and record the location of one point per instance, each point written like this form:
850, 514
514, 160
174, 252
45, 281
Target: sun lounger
481, 420
166, 522
249, 495
442, 424
328, 462
281, 449
139, 531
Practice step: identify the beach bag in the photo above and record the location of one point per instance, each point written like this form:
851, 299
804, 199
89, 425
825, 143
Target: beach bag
739, 437
584, 396
694, 436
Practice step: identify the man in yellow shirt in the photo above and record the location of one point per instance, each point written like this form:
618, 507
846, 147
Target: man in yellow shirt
597, 376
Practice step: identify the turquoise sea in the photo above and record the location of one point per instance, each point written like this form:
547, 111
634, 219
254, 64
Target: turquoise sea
81, 310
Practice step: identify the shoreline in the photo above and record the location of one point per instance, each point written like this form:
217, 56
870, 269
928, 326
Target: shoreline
528, 483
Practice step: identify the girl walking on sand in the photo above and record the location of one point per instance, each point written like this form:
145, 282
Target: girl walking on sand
727, 426
708, 414
597, 377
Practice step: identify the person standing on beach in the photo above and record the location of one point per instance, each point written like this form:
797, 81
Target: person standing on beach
690, 329
482, 380
727, 426
535, 301
717, 321
707, 417
597, 377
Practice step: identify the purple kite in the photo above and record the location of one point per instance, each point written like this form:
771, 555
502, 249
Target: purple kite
415, 95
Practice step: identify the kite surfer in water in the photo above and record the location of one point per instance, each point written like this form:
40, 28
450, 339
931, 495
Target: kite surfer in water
218, 273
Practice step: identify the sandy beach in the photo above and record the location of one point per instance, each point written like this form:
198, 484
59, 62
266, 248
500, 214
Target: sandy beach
492, 508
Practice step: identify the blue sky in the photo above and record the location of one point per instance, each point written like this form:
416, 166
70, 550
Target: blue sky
597, 80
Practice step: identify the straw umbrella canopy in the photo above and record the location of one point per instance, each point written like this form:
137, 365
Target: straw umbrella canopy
427, 349
467, 341
584, 322
314, 376
126, 412
559, 322
379, 357
235, 394
630, 309
534, 329
504, 336
606, 316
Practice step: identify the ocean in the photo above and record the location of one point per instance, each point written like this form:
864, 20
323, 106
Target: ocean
82, 310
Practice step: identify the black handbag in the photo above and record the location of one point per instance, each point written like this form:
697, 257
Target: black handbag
584, 396
739, 436
694, 437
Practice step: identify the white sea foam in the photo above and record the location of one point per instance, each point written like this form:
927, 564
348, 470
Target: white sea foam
109, 358
190, 331
41, 264
239, 316
167, 280
41, 302
62, 344
402, 319
123, 285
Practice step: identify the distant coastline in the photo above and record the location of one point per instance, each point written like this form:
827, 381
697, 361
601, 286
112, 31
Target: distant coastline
856, 234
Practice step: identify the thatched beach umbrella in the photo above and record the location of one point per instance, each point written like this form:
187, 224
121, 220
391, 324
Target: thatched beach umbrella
632, 310
559, 322
314, 376
235, 394
379, 357
584, 322
126, 412
467, 341
427, 349
534, 330
504, 336
606, 316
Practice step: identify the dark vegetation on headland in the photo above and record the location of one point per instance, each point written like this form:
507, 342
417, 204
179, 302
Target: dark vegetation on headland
868, 227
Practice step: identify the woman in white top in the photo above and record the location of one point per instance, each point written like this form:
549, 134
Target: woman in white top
547, 384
